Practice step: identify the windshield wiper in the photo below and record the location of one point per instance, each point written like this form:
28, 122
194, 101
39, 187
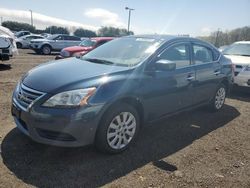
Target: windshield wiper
238, 54
244, 55
100, 61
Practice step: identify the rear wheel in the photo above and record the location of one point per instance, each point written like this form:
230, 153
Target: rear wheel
219, 98
118, 129
46, 49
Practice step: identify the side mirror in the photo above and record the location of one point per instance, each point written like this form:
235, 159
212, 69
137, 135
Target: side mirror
165, 65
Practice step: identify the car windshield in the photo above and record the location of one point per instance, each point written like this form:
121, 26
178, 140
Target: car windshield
88, 43
52, 37
127, 51
240, 49
19, 34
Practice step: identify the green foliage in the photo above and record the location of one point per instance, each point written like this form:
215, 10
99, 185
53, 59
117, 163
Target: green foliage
113, 32
84, 33
18, 26
56, 30
219, 38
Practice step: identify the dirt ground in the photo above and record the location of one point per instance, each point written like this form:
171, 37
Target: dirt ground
192, 149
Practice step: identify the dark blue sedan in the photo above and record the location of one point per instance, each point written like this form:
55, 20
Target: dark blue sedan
106, 96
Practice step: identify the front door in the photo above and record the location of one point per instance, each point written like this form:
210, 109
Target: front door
170, 91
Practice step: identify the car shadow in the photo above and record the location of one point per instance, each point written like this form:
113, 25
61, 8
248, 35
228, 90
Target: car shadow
47, 166
4, 67
240, 93
52, 53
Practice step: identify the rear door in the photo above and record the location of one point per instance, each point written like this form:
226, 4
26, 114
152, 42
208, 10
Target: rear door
207, 70
58, 42
71, 41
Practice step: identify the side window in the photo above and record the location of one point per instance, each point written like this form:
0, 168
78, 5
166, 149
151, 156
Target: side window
38, 37
60, 38
202, 54
178, 53
71, 38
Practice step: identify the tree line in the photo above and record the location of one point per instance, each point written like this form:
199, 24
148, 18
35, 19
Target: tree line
80, 32
220, 38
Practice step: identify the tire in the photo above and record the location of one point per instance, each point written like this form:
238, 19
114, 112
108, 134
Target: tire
114, 137
18, 45
46, 49
219, 98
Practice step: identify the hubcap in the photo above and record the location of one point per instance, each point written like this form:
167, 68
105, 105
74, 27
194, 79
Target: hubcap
220, 98
46, 50
121, 130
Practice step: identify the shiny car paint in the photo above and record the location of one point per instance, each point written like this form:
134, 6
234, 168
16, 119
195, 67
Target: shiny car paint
156, 94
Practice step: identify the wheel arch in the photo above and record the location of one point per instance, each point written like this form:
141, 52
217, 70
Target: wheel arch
133, 101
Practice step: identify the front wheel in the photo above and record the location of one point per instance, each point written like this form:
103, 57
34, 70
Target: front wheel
219, 98
46, 49
118, 129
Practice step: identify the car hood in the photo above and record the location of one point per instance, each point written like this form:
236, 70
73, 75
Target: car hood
50, 77
239, 60
73, 49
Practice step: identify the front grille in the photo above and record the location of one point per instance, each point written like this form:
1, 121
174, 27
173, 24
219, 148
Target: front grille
26, 96
5, 51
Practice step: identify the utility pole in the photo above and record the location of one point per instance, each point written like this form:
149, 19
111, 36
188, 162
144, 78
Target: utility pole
31, 17
217, 38
129, 15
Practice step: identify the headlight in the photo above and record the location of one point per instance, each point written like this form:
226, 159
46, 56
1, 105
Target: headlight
71, 98
65, 53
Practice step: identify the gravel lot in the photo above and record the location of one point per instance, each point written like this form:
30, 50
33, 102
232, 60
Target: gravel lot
191, 149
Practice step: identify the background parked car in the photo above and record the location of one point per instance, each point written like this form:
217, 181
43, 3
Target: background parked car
22, 33
53, 43
7, 44
84, 47
239, 53
24, 41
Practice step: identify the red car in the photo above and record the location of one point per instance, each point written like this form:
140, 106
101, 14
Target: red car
83, 48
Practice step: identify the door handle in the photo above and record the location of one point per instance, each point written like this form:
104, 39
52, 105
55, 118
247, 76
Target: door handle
190, 78
217, 72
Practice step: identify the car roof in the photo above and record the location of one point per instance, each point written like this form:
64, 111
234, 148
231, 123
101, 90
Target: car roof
164, 38
172, 38
242, 42
30, 35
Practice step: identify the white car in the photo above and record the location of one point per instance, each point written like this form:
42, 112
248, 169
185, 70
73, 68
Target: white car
7, 44
24, 41
54, 43
239, 53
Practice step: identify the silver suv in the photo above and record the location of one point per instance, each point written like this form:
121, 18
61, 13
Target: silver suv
53, 43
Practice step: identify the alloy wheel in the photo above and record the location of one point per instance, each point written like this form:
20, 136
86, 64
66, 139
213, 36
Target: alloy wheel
220, 98
121, 130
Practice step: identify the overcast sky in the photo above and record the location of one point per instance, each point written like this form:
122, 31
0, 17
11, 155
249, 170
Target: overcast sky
194, 17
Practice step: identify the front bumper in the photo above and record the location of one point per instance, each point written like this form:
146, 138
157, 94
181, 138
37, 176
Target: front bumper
242, 79
59, 127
